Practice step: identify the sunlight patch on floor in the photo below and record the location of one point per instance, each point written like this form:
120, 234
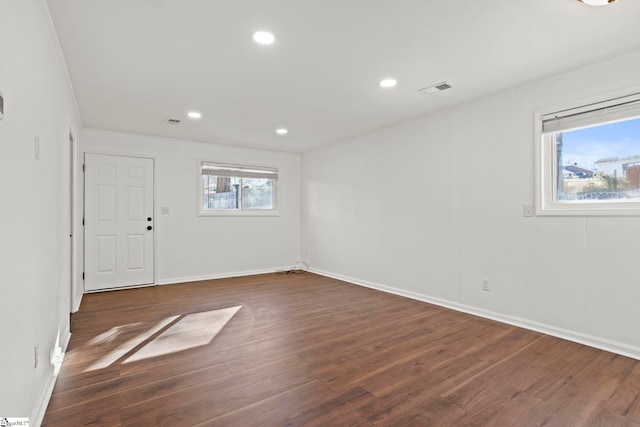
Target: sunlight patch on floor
111, 334
191, 331
127, 346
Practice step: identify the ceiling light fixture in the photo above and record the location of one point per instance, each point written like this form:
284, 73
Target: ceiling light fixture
596, 2
263, 37
282, 131
386, 83
194, 114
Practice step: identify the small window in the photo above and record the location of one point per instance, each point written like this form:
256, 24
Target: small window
589, 159
237, 190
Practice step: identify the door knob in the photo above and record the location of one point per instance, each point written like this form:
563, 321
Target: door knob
149, 227
149, 219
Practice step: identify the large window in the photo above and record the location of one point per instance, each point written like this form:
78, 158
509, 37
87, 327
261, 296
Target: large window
589, 159
233, 189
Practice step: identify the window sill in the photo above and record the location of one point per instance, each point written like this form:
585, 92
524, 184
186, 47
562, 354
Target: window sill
590, 209
232, 213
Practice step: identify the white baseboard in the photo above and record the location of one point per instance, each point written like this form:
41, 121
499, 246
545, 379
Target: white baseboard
35, 420
578, 337
77, 302
219, 276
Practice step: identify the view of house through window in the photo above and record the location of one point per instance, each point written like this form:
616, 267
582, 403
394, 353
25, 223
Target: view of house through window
237, 188
600, 162
588, 158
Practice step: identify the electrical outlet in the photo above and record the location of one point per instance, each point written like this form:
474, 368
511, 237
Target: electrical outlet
306, 251
485, 285
36, 355
56, 356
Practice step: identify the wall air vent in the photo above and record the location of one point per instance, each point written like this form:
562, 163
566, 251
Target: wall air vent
435, 88
172, 121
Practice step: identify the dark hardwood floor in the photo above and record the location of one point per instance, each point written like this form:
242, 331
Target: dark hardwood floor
301, 349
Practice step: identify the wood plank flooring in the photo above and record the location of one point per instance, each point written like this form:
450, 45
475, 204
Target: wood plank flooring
306, 350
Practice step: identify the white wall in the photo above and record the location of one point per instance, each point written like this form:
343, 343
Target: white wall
34, 218
385, 210
191, 247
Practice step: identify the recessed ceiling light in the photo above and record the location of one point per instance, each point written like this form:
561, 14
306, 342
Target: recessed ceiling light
388, 83
282, 131
596, 2
263, 37
194, 114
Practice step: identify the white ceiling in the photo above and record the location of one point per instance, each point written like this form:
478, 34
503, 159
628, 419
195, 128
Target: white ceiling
133, 64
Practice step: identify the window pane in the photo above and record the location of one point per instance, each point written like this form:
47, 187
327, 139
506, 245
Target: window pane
599, 163
221, 192
257, 193
237, 190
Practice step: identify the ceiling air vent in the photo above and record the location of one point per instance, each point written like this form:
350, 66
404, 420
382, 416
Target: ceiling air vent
172, 121
435, 88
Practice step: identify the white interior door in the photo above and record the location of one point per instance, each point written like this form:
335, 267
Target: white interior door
119, 222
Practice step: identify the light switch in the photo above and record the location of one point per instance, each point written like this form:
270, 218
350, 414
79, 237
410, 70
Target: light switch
164, 210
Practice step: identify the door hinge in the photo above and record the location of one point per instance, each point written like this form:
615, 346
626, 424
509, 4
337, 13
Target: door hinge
83, 275
83, 222
83, 167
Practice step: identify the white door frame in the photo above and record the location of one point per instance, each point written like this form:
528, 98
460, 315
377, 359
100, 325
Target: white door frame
72, 238
155, 208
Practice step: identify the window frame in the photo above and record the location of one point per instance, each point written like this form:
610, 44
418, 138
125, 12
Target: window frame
546, 164
201, 211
